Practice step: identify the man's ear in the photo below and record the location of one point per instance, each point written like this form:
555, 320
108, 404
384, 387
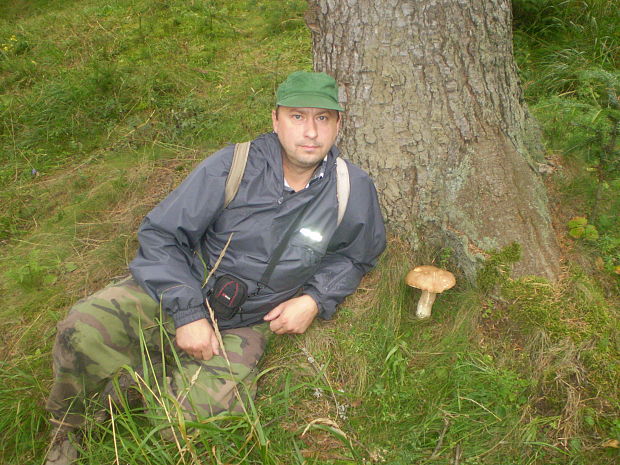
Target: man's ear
274, 120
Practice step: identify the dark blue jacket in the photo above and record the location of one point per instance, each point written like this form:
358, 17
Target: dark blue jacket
185, 233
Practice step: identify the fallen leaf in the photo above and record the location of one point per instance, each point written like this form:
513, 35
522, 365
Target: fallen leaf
611, 443
324, 421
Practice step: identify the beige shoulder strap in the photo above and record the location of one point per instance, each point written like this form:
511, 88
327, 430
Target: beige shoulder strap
343, 187
240, 158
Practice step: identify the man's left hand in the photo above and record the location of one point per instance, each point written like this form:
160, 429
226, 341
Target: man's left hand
293, 316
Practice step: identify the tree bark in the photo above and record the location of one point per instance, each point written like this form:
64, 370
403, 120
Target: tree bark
435, 113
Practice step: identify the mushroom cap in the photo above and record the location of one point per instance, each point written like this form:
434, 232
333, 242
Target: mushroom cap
430, 278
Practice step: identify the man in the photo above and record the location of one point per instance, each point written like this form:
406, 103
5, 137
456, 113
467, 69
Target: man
288, 259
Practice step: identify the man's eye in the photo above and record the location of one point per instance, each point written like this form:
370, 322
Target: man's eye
297, 117
322, 118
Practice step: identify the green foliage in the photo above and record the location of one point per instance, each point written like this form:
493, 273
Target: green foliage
592, 110
577, 313
582, 30
78, 82
568, 52
496, 268
538, 306
286, 15
33, 274
578, 228
21, 420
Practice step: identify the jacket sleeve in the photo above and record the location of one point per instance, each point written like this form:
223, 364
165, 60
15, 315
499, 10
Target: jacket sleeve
353, 250
170, 238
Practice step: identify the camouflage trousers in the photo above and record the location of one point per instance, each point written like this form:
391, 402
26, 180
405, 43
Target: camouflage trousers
121, 327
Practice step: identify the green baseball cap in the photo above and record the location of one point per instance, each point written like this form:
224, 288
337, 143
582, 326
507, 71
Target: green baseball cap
313, 90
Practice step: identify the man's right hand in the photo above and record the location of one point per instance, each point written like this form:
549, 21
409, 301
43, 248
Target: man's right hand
198, 339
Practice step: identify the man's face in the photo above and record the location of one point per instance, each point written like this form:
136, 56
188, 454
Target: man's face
306, 134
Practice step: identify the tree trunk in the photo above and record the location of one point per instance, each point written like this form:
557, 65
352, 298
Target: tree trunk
435, 113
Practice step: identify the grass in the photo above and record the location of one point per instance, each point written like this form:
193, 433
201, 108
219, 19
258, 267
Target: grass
106, 107
569, 56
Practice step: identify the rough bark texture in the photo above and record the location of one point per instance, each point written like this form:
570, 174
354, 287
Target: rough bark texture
434, 112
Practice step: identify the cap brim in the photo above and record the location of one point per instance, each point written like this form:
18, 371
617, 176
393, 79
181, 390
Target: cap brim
309, 101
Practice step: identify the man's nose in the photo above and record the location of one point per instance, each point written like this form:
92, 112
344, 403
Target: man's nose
310, 129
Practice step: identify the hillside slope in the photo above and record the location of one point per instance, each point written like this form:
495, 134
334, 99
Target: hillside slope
104, 108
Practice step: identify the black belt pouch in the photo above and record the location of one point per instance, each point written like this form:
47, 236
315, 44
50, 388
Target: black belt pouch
227, 296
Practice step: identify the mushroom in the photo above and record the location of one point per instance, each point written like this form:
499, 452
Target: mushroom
432, 281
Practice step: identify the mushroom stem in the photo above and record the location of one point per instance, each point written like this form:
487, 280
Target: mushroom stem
425, 304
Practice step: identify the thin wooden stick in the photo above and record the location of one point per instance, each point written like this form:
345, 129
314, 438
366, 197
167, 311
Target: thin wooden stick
113, 429
446, 425
216, 328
